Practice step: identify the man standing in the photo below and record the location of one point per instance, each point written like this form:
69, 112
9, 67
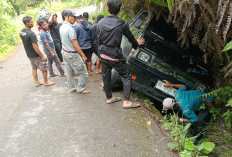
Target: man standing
49, 48
74, 57
110, 31
95, 44
54, 27
86, 17
38, 60
193, 104
85, 38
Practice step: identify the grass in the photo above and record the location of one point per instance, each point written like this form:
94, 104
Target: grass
221, 136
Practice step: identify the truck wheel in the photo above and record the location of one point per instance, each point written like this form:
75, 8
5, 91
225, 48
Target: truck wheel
114, 78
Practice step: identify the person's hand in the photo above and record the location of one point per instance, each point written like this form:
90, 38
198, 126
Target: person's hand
141, 41
53, 54
44, 58
209, 104
167, 83
84, 58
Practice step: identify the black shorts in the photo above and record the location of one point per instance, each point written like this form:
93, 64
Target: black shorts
88, 53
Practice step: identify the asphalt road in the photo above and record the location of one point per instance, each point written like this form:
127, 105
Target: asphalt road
50, 122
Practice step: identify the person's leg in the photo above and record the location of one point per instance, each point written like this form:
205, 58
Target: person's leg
106, 76
43, 68
98, 67
34, 72
81, 71
88, 54
58, 65
58, 51
124, 71
69, 73
198, 126
50, 69
35, 76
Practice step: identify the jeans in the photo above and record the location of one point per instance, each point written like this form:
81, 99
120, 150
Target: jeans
203, 116
74, 63
57, 62
124, 72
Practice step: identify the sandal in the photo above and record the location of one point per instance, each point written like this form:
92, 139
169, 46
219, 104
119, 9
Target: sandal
116, 99
133, 105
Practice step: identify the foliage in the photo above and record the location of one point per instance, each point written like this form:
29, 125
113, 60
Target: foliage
183, 143
223, 95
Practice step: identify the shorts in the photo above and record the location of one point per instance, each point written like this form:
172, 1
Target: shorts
38, 63
88, 53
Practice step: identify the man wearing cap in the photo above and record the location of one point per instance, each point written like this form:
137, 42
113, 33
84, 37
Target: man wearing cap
73, 56
193, 104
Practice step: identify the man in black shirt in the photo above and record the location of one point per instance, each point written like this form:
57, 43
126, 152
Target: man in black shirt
54, 27
110, 31
38, 60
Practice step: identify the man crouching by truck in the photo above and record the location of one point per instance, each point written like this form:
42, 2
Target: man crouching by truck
194, 105
110, 31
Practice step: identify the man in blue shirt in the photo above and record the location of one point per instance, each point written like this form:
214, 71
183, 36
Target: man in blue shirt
49, 48
193, 104
85, 38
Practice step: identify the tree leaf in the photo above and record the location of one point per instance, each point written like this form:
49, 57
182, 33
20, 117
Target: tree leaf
227, 47
189, 145
206, 147
173, 145
187, 127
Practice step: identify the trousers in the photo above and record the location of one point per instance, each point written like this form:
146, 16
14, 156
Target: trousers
124, 72
74, 63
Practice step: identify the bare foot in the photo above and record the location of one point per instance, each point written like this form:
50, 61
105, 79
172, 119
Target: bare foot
49, 83
62, 75
37, 84
85, 91
62, 63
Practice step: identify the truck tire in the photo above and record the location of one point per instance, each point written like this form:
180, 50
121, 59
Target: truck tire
115, 79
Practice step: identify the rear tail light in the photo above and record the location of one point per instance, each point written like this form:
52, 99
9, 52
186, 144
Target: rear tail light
133, 77
132, 52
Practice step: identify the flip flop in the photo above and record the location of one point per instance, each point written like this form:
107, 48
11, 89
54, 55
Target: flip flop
85, 92
133, 105
54, 75
116, 99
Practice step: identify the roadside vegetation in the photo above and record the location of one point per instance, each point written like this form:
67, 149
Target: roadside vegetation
12, 11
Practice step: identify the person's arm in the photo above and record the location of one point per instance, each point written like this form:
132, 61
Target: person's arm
77, 47
183, 120
131, 38
169, 84
49, 49
37, 50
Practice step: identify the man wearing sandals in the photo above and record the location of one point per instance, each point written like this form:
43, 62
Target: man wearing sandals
110, 30
73, 56
37, 59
